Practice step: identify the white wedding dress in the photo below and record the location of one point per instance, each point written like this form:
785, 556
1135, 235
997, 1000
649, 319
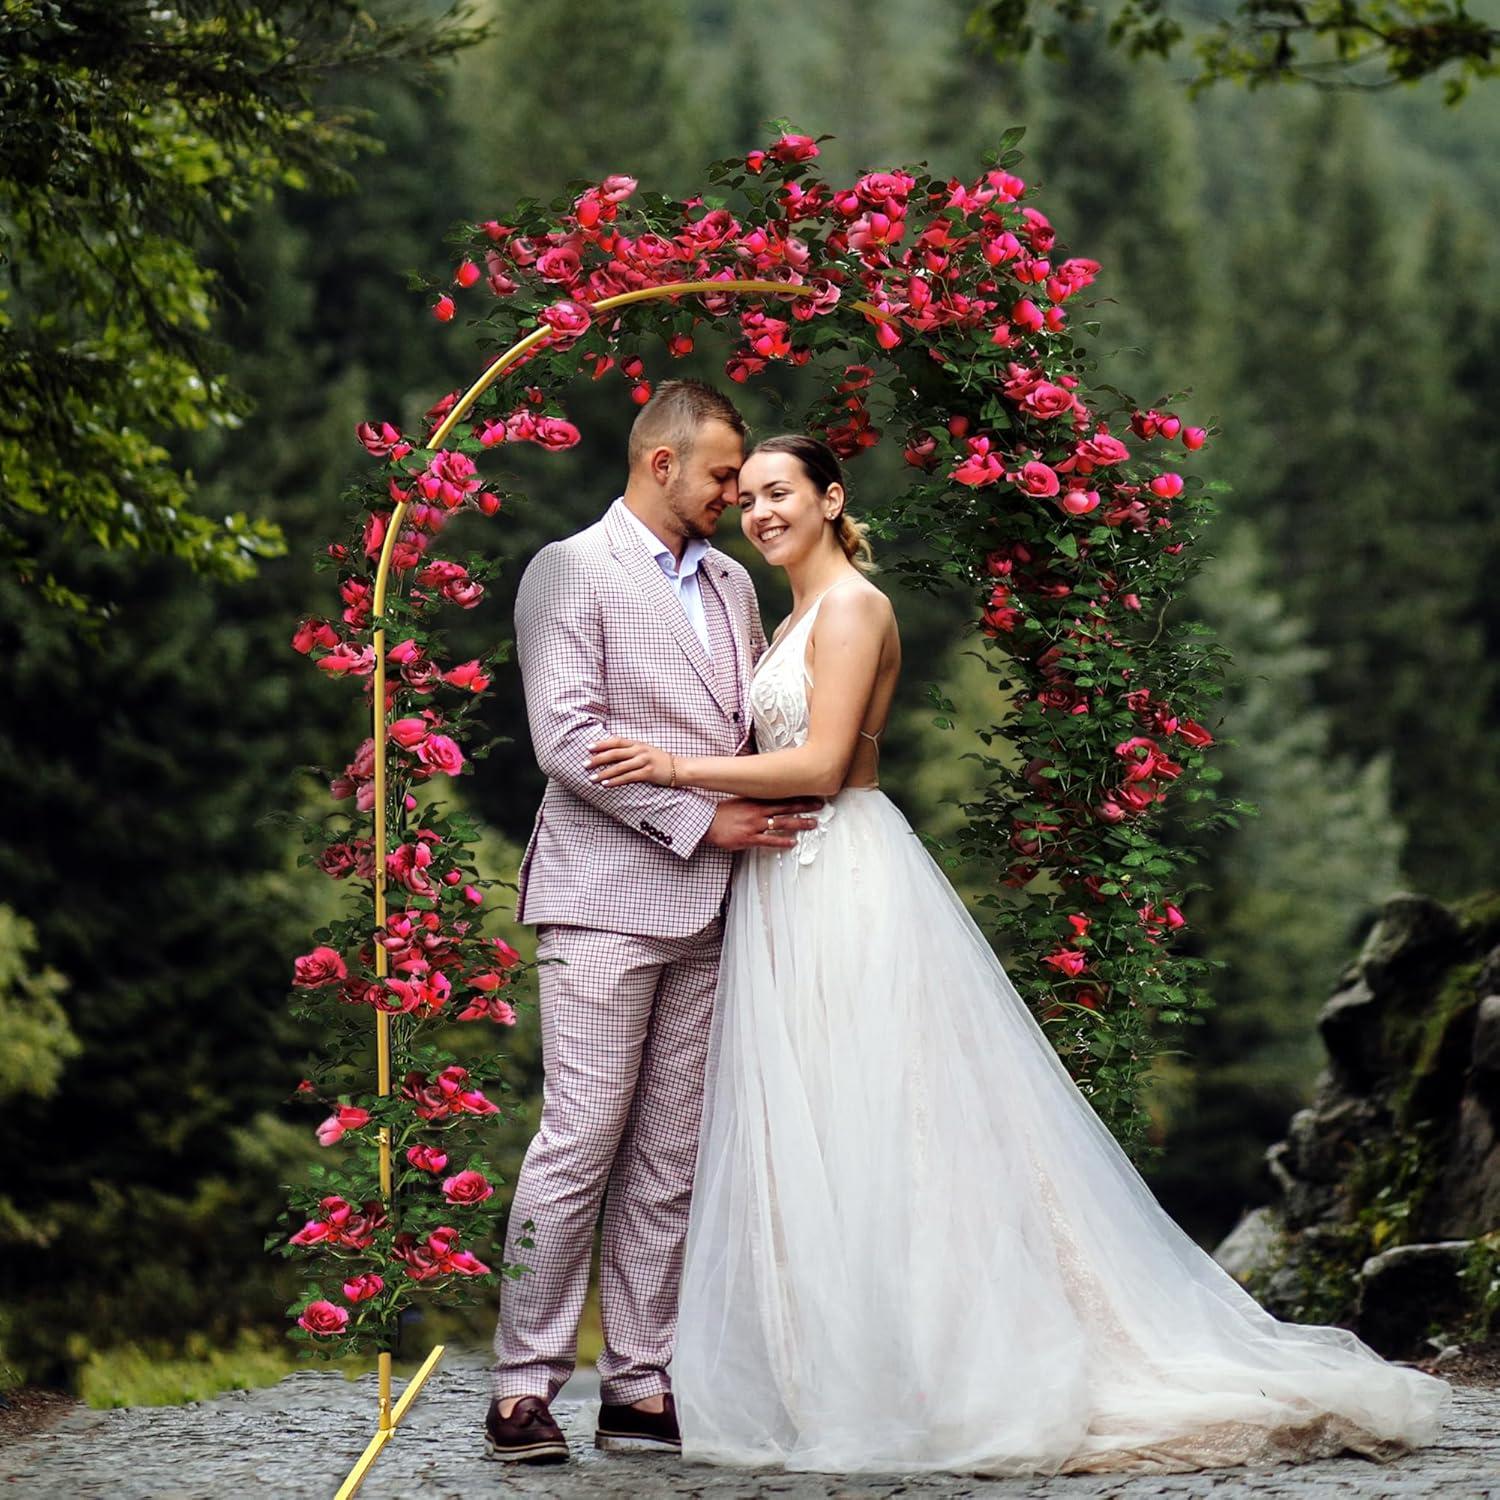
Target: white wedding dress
914, 1246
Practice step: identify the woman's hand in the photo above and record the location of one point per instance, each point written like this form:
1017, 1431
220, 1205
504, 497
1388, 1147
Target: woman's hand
615, 761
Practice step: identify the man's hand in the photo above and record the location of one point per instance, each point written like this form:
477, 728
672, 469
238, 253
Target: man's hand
741, 823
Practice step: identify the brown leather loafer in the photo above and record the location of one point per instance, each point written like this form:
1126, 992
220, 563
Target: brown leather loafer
527, 1436
628, 1429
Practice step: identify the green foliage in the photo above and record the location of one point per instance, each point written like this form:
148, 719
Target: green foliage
157, 1373
1286, 891
1356, 43
132, 134
38, 1039
1481, 1280
1223, 263
1388, 1183
1107, 1024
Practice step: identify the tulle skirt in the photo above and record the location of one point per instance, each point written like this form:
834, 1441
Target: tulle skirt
914, 1246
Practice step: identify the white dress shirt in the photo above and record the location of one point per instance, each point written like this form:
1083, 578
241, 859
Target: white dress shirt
683, 576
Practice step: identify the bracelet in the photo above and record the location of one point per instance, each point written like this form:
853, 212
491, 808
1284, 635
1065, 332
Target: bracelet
672, 761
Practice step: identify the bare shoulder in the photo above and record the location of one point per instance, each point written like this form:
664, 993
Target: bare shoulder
856, 606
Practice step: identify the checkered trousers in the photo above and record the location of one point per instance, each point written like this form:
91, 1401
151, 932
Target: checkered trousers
606, 649
625, 1024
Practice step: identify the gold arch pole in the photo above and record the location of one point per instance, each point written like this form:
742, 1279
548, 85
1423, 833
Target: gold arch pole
388, 1415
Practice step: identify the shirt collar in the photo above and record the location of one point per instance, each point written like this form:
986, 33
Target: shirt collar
692, 554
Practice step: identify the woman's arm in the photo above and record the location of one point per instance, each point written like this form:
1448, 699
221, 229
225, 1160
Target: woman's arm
848, 641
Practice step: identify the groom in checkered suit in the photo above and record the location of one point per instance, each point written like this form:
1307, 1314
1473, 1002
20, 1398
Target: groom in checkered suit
635, 626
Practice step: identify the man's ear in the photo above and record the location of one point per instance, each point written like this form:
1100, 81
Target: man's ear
661, 462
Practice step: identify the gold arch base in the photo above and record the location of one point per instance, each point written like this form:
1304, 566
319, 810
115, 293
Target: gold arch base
389, 1416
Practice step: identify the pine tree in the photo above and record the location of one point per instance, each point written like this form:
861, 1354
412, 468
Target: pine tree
1341, 439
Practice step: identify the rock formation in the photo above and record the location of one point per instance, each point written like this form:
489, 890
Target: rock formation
1386, 1210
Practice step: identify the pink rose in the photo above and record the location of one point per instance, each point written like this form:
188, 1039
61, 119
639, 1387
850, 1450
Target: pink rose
504, 954
561, 263
323, 1319
1067, 961
314, 1232
408, 733
617, 187
375, 529
344, 658
488, 1008
440, 571
426, 1159
421, 676
1036, 479
440, 753
467, 675
1026, 314
464, 592
467, 1187
791, 148
348, 1117
569, 319
382, 440
1100, 450
407, 866
1047, 400
555, 433
313, 633
981, 467
1080, 502
362, 1288
338, 861
323, 966
1194, 734
1166, 486
442, 310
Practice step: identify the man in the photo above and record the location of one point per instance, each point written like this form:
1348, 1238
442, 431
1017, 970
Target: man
635, 626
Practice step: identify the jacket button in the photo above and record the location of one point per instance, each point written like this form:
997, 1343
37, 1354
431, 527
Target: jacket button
736, 716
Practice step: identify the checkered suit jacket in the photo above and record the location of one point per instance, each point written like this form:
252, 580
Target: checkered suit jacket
605, 648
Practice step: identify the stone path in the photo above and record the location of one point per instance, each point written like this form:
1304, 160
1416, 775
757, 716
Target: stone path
299, 1438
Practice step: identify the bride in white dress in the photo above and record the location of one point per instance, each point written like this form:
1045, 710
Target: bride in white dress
913, 1244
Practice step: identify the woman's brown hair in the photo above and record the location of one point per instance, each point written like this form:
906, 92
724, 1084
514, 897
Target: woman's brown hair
822, 466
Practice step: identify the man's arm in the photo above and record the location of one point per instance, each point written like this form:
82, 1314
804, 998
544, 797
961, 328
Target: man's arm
560, 647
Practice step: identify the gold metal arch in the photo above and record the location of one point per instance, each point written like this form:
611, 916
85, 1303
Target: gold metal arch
389, 1416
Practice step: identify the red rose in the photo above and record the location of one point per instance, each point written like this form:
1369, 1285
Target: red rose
323, 1319
467, 1187
323, 966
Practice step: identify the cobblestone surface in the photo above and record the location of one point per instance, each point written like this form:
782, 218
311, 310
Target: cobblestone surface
300, 1438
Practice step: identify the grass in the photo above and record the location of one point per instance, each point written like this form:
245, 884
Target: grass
141, 1375
146, 1375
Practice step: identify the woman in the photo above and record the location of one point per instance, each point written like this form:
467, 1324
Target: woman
913, 1244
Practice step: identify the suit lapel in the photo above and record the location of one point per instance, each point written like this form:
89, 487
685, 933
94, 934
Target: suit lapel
663, 602
714, 575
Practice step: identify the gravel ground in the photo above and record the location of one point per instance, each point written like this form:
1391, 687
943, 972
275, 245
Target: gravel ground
300, 1437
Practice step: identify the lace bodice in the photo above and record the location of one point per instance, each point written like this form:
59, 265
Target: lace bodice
779, 711
778, 688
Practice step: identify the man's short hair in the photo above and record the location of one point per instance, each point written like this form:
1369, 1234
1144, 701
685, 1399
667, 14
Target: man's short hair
672, 417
